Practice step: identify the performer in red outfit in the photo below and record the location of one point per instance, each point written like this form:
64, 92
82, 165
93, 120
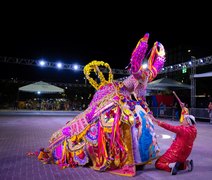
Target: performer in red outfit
175, 158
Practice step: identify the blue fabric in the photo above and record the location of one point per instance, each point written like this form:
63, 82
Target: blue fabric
145, 140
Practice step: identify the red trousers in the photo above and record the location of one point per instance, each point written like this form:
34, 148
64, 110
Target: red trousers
163, 164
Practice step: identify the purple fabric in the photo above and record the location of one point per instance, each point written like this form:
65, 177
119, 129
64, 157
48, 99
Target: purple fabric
139, 54
159, 63
66, 131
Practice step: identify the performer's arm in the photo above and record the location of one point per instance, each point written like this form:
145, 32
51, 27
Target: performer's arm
175, 129
180, 102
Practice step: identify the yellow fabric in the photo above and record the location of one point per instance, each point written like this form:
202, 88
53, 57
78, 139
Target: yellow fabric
183, 113
128, 143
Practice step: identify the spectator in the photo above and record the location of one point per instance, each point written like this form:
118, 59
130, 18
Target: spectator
162, 109
16, 105
210, 111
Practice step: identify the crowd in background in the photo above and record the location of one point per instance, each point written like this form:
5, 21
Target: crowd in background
51, 104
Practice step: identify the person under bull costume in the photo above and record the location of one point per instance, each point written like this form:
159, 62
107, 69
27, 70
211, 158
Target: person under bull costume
114, 133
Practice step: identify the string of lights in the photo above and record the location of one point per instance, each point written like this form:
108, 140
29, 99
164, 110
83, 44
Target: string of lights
189, 64
192, 63
76, 67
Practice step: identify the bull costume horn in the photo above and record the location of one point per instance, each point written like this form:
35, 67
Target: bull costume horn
156, 59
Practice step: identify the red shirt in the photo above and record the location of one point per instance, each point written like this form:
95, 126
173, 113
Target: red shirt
181, 147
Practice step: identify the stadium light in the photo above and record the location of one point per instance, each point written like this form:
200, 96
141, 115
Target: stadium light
59, 65
76, 67
144, 66
42, 63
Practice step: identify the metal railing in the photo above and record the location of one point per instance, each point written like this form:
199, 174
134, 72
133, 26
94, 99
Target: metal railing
174, 114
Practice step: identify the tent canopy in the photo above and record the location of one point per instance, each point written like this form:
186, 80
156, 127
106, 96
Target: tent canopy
207, 74
41, 87
167, 83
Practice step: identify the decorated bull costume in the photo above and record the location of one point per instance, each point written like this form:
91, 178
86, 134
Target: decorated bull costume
113, 134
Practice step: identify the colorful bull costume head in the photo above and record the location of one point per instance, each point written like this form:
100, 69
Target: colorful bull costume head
114, 133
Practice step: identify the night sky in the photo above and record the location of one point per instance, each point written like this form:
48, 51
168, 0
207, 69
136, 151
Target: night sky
110, 33
111, 45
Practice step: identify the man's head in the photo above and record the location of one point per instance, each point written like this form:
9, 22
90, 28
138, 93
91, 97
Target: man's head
189, 119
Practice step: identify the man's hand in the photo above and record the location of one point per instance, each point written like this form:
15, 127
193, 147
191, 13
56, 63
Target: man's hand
153, 118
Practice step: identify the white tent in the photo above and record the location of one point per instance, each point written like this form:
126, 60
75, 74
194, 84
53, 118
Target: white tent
207, 74
41, 87
167, 83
